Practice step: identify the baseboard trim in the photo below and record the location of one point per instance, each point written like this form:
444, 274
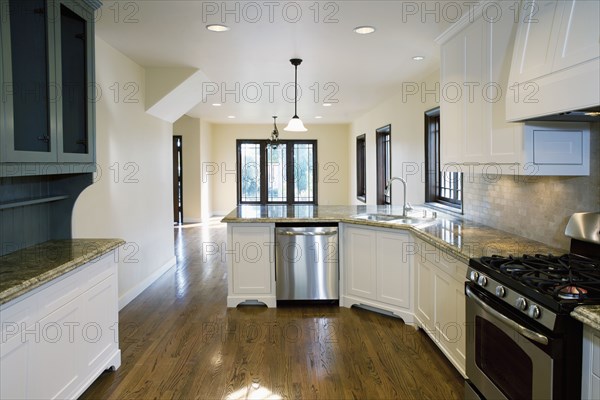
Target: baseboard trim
190, 220
143, 285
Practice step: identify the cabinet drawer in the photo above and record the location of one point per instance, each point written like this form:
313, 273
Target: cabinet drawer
99, 269
17, 326
60, 292
18, 316
441, 259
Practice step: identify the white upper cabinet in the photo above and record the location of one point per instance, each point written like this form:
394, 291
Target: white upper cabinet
475, 62
556, 59
475, 66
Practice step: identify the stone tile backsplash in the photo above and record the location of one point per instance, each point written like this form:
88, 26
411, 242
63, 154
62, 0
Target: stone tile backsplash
536, 207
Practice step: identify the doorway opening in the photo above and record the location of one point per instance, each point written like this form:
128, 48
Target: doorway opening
177, 180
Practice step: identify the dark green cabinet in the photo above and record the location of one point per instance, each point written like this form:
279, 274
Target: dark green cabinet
48, 89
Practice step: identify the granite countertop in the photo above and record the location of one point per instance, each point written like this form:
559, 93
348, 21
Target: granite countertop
589, 315
459, 236
29, 268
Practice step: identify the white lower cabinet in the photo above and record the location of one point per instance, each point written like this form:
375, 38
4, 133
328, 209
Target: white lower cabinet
377, 269
59, 338
590, 385
440, 300
250, 263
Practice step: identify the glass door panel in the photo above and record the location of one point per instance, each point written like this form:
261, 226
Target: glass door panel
303, 173
74, 82
28, 133
276, 174
249, 159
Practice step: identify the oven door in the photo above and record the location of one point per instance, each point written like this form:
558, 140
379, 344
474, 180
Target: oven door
505, 358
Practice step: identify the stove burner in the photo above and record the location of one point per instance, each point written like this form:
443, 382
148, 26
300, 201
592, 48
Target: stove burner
571, 292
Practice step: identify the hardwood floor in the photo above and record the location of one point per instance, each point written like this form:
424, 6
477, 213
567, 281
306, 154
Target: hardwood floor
179, 341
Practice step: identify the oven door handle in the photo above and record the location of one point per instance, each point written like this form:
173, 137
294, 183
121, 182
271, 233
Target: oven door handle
528, 333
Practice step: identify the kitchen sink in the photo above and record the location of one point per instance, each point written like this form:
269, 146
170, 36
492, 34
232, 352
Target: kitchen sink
377, 217
394, 219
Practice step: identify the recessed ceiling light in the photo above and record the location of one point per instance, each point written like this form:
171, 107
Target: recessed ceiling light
364, 30
418, 58
318, 117
217, 28
326, 104
216, 104
231, 116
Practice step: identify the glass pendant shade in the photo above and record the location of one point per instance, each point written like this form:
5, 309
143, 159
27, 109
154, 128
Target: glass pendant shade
295, 125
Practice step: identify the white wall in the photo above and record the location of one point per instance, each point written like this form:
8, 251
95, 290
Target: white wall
189, 129
131, 198
332, 156
406, 115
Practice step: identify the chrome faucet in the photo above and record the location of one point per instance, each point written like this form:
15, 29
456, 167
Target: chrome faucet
388, 186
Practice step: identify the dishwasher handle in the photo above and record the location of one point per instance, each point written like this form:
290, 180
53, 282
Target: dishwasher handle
296, 233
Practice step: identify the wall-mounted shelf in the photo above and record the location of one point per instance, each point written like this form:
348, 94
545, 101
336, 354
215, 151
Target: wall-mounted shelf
31, 201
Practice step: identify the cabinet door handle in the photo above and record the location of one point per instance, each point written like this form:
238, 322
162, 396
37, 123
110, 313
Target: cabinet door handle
528, 333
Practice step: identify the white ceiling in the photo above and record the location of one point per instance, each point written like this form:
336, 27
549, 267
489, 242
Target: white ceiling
251, 61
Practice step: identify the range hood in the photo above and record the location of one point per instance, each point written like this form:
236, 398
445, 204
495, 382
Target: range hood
591, 114
555, 69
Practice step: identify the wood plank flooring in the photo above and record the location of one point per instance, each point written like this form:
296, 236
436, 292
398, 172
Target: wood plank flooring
180, 341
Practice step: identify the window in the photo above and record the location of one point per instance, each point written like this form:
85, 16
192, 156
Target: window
384, 163
443, 187
286, 174
361, 168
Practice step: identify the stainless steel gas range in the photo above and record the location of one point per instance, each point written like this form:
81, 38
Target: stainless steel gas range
521, 341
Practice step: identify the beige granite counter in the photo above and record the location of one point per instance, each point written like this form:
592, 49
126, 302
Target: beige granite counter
463, 238
589, 315
29, 268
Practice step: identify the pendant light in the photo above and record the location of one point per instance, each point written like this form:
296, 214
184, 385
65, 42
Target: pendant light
295, 124
274, 139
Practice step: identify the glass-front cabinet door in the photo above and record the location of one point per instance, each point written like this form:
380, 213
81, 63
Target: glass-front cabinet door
74, 75
47, 81
28, 126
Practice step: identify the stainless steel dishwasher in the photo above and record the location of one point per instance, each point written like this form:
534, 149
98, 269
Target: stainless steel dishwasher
306, 263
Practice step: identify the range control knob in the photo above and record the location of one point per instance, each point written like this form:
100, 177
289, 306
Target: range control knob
482, 281
521, 304
474, 276
534, 312
500, 291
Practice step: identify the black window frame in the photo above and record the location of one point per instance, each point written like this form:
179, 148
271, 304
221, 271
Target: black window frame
435, 178
383, 137
361, 168
290, 171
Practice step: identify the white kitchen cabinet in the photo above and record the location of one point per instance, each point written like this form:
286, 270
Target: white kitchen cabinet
57, 339
475, 136
394, 268
250, 256
556, 59
55, 357
377, 269
360, 262
475, 60
440, 300
425, 283
590, 385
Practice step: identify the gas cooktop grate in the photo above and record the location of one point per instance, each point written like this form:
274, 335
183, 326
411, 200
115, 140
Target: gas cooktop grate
566, 277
